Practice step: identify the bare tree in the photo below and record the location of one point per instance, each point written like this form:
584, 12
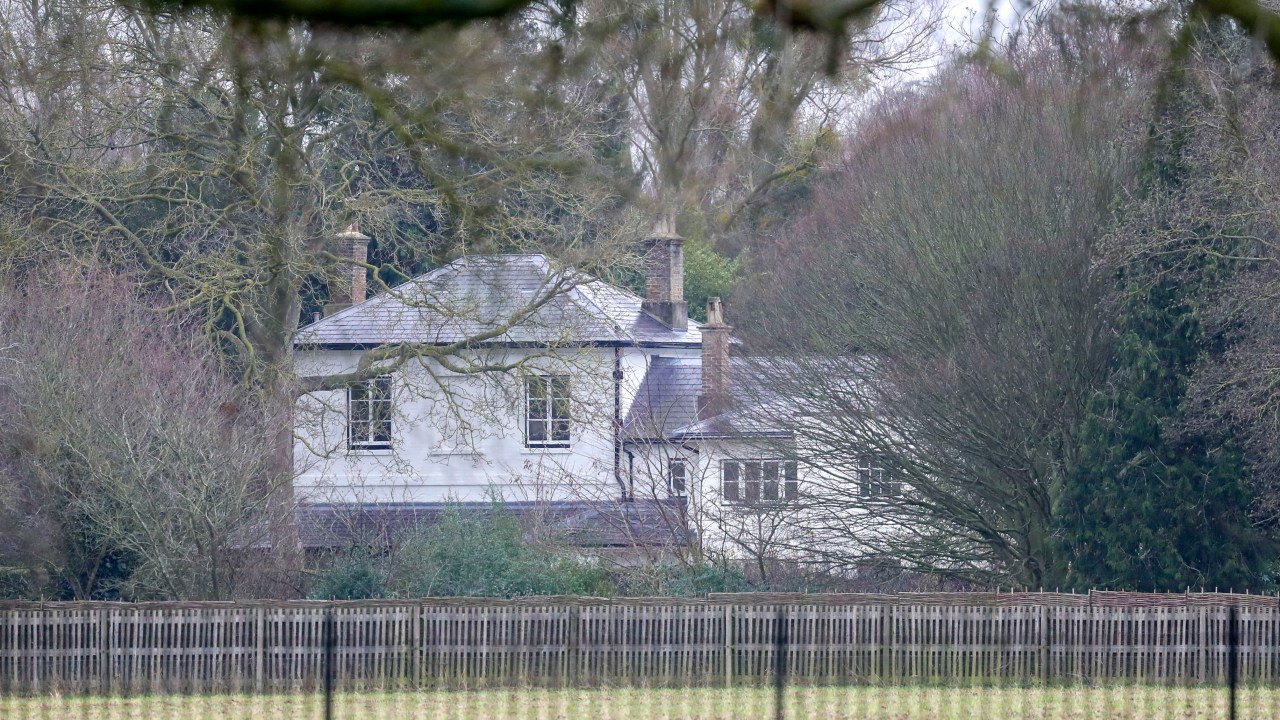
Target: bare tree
725, 105
220, 159
130, 465
935, 323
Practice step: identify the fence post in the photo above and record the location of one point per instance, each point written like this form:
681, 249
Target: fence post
1044, 643
329, 642
260, 649
887, 656
1096, 641
573, 651
728, 645
419, 622
1202, 665
1233, 659
101, 619
780, 641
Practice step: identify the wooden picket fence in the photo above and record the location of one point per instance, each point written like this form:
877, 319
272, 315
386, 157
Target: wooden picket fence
567, 641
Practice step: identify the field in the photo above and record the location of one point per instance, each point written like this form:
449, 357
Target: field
899, 703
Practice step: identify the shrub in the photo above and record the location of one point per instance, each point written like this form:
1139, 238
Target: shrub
355, 576
488, 554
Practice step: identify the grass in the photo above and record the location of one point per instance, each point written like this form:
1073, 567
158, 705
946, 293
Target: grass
898, 703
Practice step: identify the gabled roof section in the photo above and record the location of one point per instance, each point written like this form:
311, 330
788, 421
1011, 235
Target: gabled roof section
667, 398
478, 297
666, 404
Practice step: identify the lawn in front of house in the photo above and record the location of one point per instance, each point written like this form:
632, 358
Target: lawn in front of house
835, 703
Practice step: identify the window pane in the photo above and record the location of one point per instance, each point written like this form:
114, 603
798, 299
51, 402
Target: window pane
535, 410
793, 481
380, 419
771, 481
560, 431
537, 430
730, 470
547, 409
369, 413
753, 482
558, 386
536, 388
677, 477
359, 392
560, 408
359, 412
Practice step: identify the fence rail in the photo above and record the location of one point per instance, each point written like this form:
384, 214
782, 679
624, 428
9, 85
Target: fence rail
567, 641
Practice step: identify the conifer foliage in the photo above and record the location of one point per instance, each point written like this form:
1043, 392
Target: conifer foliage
1157, 501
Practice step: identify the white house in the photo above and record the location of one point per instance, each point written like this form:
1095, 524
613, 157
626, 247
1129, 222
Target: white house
557, 393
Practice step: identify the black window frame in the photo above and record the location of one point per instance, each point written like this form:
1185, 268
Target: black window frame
369, 414
548, 422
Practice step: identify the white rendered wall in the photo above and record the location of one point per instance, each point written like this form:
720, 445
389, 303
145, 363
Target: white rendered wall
739, 530
461, 437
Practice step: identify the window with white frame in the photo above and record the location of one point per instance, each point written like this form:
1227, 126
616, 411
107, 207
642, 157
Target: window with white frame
369, 414
677, 478
874, 483
546, 411
753, 481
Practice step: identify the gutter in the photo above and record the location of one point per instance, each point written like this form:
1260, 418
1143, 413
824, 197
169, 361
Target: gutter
509, 345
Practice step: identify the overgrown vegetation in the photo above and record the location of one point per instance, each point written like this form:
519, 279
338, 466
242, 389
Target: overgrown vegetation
1038, 292
493, 553
1050, 273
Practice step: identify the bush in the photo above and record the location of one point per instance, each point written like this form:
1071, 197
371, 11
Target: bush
356, 576
487, 554
682, 580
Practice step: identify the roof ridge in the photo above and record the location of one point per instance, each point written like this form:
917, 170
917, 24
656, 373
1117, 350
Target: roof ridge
460, 261
590, 308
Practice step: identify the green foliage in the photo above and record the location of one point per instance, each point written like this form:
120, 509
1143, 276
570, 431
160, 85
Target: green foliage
670, 580
355, 576
487, 553
707, 274
1148, 507
1157, 501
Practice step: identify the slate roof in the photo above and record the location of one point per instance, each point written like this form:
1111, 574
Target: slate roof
667, 398
643, 523
478, 294
666, 404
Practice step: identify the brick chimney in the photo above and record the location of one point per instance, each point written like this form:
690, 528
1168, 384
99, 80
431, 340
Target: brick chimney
343, 295
714, 398
664, 283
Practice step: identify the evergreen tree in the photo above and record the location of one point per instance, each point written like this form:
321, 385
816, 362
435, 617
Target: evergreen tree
1153, 502
1151, 507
